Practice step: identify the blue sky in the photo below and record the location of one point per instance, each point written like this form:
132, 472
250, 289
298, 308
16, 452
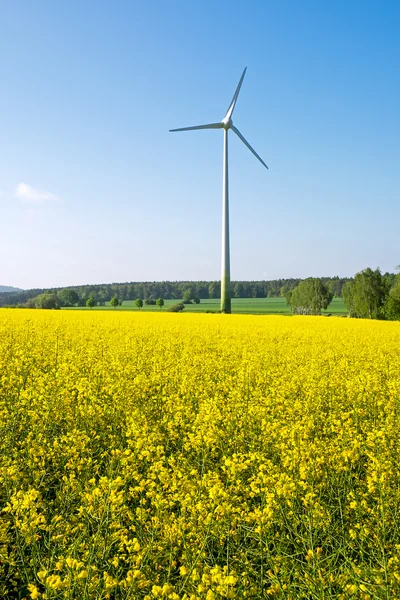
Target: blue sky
93, 187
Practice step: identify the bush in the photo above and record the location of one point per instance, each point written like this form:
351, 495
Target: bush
176, 307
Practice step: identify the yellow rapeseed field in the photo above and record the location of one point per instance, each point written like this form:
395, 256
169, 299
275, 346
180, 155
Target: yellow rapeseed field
195, 456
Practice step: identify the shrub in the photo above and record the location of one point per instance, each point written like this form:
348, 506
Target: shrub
176, 307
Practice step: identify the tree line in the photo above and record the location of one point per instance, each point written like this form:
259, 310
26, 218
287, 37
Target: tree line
171, 290
369, 295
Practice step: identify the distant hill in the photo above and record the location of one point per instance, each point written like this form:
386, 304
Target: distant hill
8, 288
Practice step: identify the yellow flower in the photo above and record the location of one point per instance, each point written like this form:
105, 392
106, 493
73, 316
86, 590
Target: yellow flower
54, 582
34, 592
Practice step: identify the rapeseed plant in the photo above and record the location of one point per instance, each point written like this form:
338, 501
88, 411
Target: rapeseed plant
198, 456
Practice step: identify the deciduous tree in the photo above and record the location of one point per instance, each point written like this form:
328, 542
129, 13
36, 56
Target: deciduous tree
114, 302
187, 296
68, 297
365, 296
392, 306
310, 297
90, 302
47, 300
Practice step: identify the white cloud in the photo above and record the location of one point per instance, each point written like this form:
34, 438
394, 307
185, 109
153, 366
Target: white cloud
31, 195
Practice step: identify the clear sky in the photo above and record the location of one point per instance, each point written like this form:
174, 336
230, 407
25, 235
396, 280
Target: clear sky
93, 187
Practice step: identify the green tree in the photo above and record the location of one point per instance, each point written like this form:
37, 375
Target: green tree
90, 302
114, 302
348, 297
336, 285
187, 296
139, 303
93, 294
101, 298
160, 302
310, 297
47, 300
365, 296
390, 279
392, 305
238, 290
214, 289
68, 297
288, 297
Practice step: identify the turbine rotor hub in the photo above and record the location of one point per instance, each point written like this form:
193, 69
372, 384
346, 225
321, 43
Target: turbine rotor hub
227, 123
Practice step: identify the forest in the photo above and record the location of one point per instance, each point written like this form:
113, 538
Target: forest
171, 290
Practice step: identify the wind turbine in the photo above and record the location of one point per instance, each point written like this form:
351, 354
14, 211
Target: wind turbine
226, 124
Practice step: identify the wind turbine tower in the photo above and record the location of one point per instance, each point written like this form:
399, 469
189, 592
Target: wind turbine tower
226, 124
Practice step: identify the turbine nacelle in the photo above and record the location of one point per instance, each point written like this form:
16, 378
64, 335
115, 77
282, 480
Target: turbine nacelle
227, 123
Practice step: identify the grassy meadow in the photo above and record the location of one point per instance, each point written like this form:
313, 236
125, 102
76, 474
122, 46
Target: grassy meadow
198, 457
239, 306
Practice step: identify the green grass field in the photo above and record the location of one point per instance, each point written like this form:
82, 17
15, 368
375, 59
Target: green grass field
262, 306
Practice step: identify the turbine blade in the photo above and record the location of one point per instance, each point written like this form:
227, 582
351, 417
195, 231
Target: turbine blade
246, 143
208, 126
229, 112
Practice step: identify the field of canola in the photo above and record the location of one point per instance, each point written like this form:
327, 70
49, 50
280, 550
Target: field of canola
198, 456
